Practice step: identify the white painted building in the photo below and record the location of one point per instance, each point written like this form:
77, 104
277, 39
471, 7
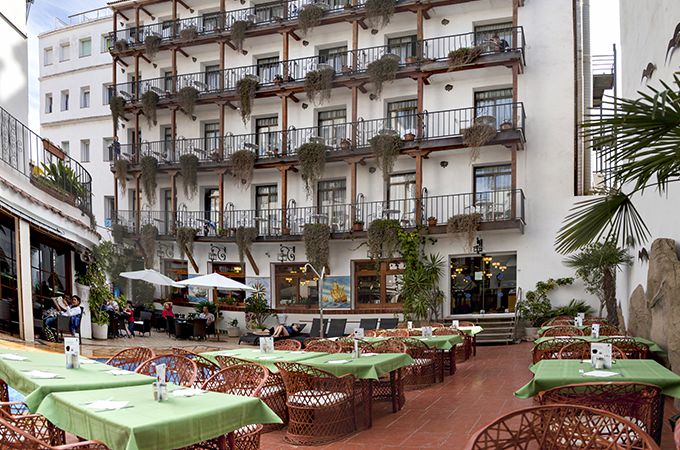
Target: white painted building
75, 71
522, 183
44, 224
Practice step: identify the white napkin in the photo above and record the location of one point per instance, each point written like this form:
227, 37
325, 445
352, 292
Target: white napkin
187, 392
268, 357
301, 352
368, 354
339, 361
107, 405
600, 373
42, 375
12, 357
87, 361
118, 372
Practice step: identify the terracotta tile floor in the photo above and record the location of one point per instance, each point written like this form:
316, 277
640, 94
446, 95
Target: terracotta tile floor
445, 415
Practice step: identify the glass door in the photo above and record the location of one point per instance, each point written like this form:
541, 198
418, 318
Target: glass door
212, 77
402, 116
266, 209
267, 135
494, 106
331, 203
483, 283
493, 195
211, 137
333, 126
404, 46
401, 194
335, 57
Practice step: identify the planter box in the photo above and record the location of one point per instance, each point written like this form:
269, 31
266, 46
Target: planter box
100, 332
45, 186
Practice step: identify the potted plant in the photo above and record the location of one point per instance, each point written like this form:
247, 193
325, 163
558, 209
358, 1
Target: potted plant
535, 308
232, 328
99, 296
358, 225
432, 221
411, 60
506, 125
346, 70
409, 136
345, 144
257, 309
278, 80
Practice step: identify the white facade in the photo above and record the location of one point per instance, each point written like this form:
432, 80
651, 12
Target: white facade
14, 56
75, 68
544, 167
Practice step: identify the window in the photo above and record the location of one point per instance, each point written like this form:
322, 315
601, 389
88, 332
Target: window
107, 149
167, 27
485, 33
378, 285
486, 283
48, 103
48, 56
166, 136
8, 273
85, 97
50, 272
85, 47
268, 68
167, 80
267, 136
295, 287
212, 77
105, 43
165, 225
65, 51
401, 196
211, 21
493, 195
85, 150
333, 126
64, 100
108, 92
234, 271
495, 104
65, 147
211, 135
331, 199
108, 210
404, 46
178, 270
335, 57
266, 12
266, 204
211, 208
403, 116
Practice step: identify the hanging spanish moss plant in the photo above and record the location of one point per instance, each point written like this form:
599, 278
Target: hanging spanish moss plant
318, 84
238, 33
187, 98
478, 135
317, 236
120, 167
382, 70
149, 169
244, 236
382, 238
148, 235
465, 225
242, 167
118, 233
117, 105
149, 107
152, 43
312, 157
189, 33
310, 16
188, 168
385, 147
463, 56
246, 88
379, 12
184, 236
121, 45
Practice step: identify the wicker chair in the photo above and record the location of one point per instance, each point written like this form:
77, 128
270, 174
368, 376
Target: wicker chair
470, 341
581, 350
347, 344
550, 348
450, 355
371, 333
425, 369
563, 331
605, 330
640, 403
4, 391
15, 438
415, 332
437, 325
18, 415
399, 332
321, 406
179, 369
390, 387
629, 346
323, 345
288, 344
561, 427
206, 368
560, 319
130, 358
595, 320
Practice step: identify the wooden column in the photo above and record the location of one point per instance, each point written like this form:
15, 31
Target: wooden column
513, 182
115, 195
221, 199
285, 45
173, 133
137, 144
419, 106
515, 19
284, 125
137, 24
138, 202
173, 198
137, 81
284, 199
419, 33
173, 64
222, 131
355, 115
419, 188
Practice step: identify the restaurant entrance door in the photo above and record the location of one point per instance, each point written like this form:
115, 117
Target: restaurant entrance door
483, 283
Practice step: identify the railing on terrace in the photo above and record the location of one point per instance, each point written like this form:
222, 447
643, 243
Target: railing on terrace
493, 206
212, 82
44, 164
337, 137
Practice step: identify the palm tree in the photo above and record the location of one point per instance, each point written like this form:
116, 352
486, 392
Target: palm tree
640, 141
596, 265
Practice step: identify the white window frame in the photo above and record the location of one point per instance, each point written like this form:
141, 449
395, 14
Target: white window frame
85, 150
80, 47
65, 100
48, 61
64, 51
49, 103
83, 91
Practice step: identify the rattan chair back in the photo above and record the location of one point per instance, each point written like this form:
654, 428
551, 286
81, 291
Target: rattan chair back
130, 358
550, 348
288, 344
563, 330
15, 438
323, 345
178, 369
581, 350
629, 346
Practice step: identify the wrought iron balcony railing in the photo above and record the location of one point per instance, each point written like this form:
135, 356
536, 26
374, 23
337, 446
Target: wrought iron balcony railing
410, 54
493, 206
43, 163
337, 138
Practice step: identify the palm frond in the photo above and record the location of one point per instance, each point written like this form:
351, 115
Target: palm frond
612, 217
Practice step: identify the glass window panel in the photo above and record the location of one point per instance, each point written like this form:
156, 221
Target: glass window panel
487, 33
335, 57
268, 68
333, 125
267, 135
402, 116
404, 46
486, 283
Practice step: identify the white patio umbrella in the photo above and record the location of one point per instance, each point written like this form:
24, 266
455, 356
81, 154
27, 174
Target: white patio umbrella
217, 281
150, 276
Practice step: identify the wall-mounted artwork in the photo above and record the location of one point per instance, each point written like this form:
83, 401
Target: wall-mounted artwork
337, 293
264, 281
197, 294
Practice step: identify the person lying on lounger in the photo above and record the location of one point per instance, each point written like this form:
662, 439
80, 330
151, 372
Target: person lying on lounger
285, 330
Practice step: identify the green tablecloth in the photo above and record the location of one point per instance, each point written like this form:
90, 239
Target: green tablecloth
551, 373
367, 367
88, 376
446, 342
268, 360
472, 331
653, 346
150, 425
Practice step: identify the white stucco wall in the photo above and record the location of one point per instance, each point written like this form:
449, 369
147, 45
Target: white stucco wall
14, 59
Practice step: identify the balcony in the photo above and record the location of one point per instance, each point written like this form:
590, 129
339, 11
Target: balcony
264, 19
440, 130
289, 75
44, 164
499, 210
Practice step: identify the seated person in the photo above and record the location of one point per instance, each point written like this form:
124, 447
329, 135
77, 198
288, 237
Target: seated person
207, 315
111, 305
285, 330
167, 310
75, 312
61, 303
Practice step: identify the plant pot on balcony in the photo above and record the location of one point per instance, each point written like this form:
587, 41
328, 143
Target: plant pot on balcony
358, 226
431, 221
345, 144
507, 125
100, 332
411, 60
278, 80
409, 136
346, 70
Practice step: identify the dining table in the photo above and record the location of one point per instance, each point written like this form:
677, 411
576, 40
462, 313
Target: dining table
440, 342
268, 359
37, 374
653, 346
128, 418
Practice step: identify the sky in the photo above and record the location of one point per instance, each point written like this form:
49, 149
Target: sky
604, 33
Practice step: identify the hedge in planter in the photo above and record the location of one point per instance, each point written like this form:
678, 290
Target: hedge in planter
318, 84
246, 88
184, 236
382, 70
188, 168
379, 12
148, 236
312, 157
149, 170
152, 43
385, 148
465, 224
244, 236
149, 106
463, 56
310, 15
187, 98
117, 106
382, 238
316, 236
238, 33
242, 167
